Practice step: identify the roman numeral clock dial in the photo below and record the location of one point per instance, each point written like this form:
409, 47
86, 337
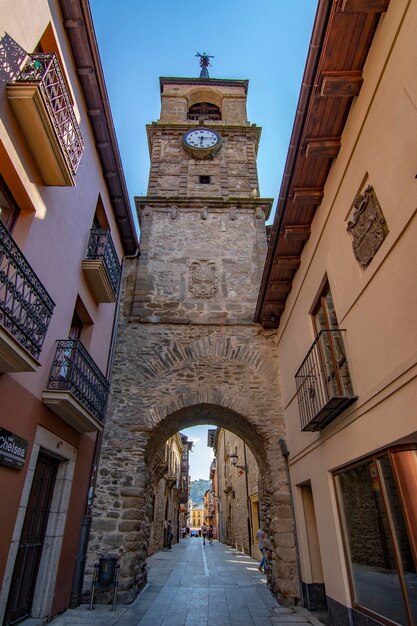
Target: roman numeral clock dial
201, 143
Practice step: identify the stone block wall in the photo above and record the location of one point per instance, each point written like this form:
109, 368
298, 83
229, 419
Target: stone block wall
167, 377
233, 169
210, 276
176, 99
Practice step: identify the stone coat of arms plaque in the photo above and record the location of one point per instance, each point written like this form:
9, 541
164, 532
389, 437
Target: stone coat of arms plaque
203, 279
367, 226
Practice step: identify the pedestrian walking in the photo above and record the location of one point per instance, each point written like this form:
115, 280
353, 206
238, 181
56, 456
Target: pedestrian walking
170, 534
204, 530
210, 534
260, 538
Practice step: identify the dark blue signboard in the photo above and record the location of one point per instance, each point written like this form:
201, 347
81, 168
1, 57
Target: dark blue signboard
12, 449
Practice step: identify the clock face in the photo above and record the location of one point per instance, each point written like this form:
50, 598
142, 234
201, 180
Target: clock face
201, 138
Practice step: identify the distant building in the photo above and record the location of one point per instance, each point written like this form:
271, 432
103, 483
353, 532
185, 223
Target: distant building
235, 490
167, 492
197, 516
184, 491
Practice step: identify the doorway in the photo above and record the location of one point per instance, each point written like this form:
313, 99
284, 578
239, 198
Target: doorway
31, 542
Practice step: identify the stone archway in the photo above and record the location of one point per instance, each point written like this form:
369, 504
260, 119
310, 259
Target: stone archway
169, 377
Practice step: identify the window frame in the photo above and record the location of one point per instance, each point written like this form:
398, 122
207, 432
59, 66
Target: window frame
374, 456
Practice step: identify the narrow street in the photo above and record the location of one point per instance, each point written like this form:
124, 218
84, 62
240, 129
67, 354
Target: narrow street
196, 585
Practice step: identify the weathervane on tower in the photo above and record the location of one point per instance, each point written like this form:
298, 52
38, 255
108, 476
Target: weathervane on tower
204, 63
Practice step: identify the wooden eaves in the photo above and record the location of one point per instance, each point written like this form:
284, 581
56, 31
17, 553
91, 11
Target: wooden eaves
78, 24
342, 36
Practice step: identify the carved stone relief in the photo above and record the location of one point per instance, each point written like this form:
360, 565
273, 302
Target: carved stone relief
204, 278
367, 226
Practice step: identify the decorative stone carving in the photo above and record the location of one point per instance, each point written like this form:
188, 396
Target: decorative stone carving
204, 278
367, 226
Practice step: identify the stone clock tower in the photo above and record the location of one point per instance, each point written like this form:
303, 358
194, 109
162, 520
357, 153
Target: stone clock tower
188, 351
202, 223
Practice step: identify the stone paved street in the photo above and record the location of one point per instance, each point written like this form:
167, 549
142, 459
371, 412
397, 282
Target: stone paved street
196, 585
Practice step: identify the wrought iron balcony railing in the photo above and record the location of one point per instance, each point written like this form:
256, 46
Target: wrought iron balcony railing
101, 248
324, 388
44, 69
25, 306
73, 370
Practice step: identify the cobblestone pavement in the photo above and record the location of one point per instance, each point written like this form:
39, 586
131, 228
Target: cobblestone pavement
196, 585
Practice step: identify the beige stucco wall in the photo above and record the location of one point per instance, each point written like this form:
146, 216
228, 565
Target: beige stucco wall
377, 306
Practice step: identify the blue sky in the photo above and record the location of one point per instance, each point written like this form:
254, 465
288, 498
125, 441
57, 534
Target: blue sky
264, 41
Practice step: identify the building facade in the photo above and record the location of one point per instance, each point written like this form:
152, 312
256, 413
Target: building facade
188, 351
65, 225
340, 285
197, 516
236, 489
167, 492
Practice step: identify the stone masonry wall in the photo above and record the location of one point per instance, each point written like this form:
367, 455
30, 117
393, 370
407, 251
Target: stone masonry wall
167, 377
193, 279
233, 170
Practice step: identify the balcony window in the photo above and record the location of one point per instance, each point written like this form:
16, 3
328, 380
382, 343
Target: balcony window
25, 309
101, 265
41, 103
77, 390
324, 388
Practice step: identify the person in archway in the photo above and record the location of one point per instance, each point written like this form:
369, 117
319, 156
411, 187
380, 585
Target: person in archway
204, 530
210, 534
170, 534
260, 538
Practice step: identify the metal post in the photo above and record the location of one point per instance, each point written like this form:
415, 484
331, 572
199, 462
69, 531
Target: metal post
80, 561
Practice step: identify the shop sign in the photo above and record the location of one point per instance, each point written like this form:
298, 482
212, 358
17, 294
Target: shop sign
12, 449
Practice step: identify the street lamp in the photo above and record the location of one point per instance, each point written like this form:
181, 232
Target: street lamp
234, 459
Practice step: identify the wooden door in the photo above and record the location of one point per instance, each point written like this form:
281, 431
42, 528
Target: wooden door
30, 548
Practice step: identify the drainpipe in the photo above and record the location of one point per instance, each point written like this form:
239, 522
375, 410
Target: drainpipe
286, 454
81, 558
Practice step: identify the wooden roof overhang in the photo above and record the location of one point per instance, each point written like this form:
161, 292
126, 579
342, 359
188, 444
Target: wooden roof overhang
342, 36
78, 24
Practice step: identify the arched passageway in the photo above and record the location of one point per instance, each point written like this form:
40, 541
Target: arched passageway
167, 376
124, 499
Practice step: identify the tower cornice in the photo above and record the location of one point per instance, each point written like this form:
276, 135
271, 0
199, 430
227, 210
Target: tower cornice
207, 82
195, 203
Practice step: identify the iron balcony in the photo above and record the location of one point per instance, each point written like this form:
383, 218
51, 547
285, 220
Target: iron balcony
40, 100
101, 265
25, 309
77, 390
324, 388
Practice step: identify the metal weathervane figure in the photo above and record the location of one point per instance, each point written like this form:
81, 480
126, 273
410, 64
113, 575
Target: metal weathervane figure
204, 63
